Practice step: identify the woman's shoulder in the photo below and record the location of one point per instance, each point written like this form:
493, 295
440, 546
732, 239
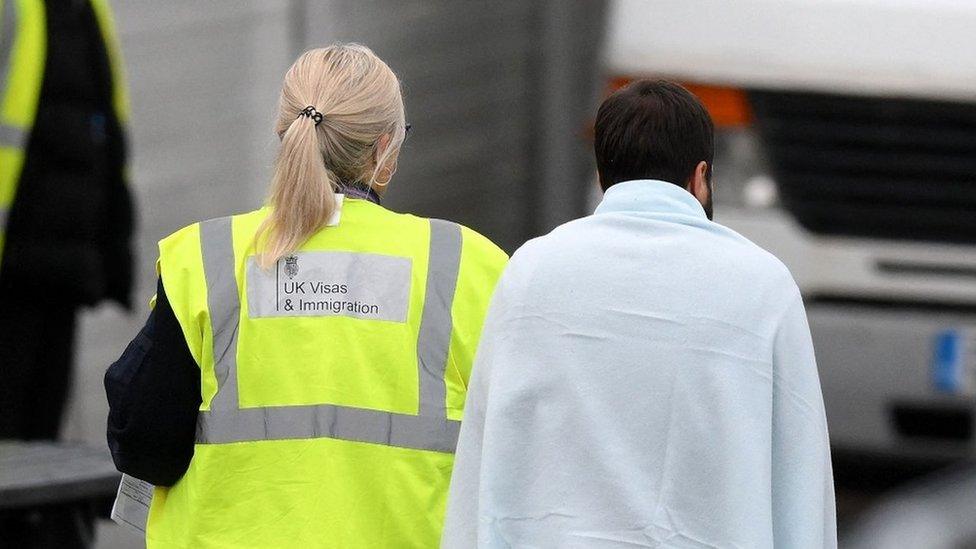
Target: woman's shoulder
192, 230
471, 238
187, 239
481, 244
478, 249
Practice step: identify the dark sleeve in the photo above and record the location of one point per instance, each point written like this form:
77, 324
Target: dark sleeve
153, 396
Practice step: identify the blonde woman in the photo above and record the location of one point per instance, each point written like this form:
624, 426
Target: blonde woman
301, 378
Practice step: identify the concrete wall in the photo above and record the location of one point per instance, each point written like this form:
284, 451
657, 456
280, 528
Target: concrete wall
498, 94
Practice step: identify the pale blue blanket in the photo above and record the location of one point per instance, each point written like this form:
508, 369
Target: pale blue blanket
646, 378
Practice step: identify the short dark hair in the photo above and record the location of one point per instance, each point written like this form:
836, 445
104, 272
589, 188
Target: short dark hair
652, 130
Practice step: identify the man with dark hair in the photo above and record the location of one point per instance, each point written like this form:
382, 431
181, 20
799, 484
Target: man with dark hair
646, 376
656, 130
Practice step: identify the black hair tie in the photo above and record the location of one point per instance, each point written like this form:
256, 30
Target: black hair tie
310, 112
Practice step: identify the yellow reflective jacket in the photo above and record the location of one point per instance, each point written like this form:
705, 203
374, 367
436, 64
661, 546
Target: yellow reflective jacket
332, 384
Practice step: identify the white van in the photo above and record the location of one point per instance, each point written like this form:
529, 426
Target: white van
846, 146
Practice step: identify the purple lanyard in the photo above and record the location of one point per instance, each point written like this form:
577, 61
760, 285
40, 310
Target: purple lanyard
364, 194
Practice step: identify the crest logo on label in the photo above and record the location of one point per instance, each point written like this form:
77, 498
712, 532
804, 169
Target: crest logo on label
291, 266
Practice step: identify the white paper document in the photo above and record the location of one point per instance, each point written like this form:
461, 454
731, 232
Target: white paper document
131, 507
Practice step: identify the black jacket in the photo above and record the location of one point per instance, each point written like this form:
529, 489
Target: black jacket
153, 396
70, 226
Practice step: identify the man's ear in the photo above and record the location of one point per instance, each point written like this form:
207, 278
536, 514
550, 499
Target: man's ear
698, 185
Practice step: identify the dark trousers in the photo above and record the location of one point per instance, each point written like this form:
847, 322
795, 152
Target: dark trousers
36, 350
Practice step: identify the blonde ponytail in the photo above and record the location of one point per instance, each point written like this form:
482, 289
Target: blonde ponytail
359, 100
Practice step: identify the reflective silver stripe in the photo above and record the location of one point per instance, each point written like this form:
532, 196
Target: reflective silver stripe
12, 136
327, 421
225, 422
434, 340
8, 26
223, 300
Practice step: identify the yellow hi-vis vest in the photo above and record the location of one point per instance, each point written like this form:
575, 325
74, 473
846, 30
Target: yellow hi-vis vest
332, 384
23, 50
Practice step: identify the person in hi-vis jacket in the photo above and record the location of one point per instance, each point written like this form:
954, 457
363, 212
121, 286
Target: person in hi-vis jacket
301, 379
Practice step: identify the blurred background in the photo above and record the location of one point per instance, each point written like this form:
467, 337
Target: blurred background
846, 133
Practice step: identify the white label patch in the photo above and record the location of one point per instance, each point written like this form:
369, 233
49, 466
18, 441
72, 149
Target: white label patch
132, 504
371, 286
